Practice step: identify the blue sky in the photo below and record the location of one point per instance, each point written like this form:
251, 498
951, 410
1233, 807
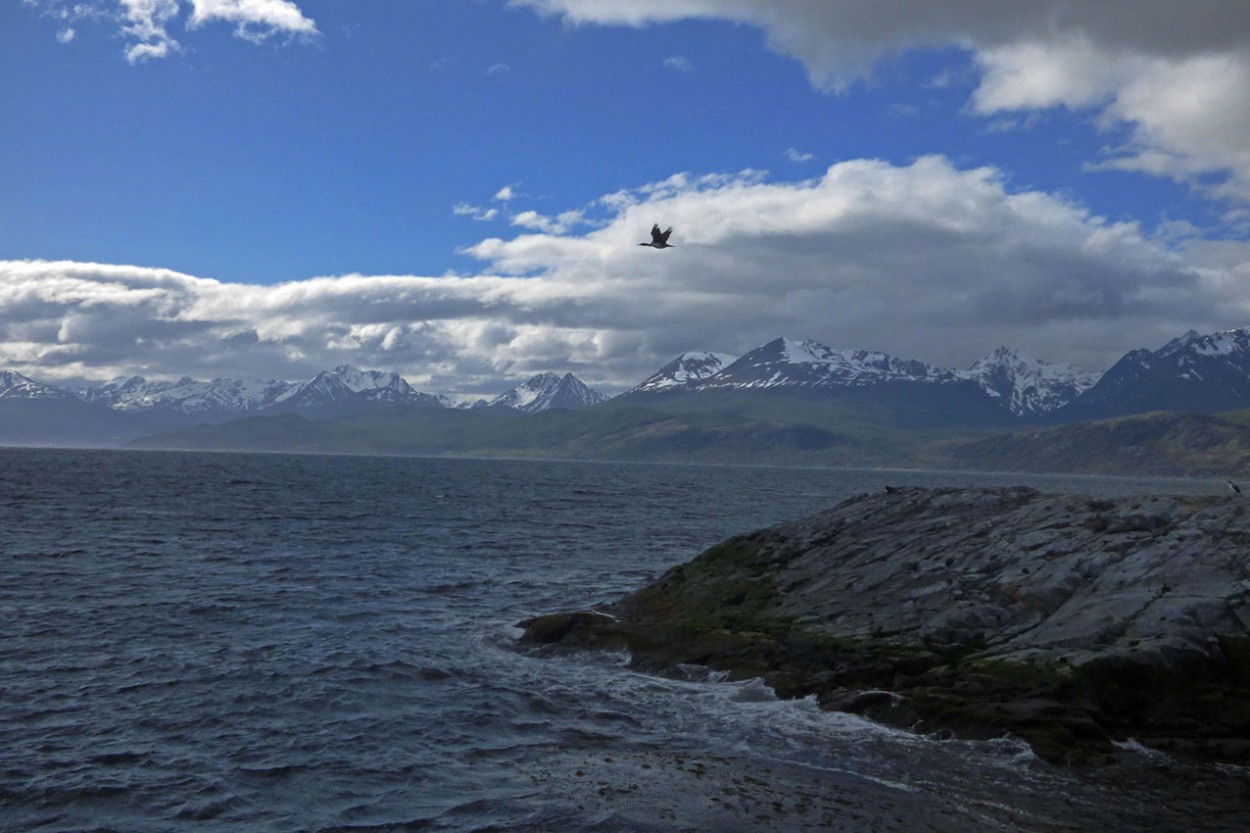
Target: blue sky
453, 188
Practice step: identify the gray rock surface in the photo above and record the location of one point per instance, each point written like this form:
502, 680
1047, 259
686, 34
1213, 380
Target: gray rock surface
1025, 574
1068, 620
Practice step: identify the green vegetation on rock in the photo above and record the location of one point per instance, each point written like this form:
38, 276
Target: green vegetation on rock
846, 607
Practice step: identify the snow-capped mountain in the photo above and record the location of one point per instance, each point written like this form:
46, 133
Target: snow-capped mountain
787, 363
547, 391
15, 386
342, 389
345, 387
126, 408
1027, 386
686, 370
1193, 373
376, 386
324, 389
1021, 385
186, 396
901, 392
32, 413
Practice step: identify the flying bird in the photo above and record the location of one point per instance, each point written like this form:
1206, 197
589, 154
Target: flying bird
1234, 487
659, 239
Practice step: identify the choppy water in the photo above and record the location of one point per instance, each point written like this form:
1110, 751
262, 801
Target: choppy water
282, 643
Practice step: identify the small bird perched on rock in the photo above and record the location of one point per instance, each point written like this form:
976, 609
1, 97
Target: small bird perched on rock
659, 239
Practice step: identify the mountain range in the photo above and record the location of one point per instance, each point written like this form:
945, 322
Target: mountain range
341, 391
1193, 373
128, 407
787, 397
1022, 385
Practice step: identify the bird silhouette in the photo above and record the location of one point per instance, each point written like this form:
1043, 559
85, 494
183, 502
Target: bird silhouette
659, 239
1234, 487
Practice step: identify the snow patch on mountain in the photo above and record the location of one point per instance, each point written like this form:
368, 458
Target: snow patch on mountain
376, 386
789, 363
1021, 384
14, 385
135, 394
1027, 386
1231, 345
548, 391
325, 389
686, 370
1192, 373
236, 397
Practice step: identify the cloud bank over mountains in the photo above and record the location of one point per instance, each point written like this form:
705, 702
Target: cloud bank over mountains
925, 260
932, 259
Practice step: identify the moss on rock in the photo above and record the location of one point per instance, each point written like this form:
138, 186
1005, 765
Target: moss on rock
727, 610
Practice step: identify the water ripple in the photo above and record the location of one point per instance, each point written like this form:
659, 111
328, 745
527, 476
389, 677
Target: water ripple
283, 644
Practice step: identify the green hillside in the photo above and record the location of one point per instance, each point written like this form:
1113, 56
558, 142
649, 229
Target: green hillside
756, 427
1159, 444
773, 428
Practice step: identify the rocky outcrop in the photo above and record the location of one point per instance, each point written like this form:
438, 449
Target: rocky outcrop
1069, 621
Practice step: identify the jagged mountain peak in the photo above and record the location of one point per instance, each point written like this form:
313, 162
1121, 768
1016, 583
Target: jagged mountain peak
1223, 343
219, 397
350, 387
343, 387
686, 370
1229, 345
1021, 384
802, 351
1028, 386
539, 380
327, 386
1193, 373
363, 380
1181, 342
547, 391
14, 385
807, 363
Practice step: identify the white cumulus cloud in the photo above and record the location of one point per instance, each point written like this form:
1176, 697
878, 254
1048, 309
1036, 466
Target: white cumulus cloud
254, 20
1174, 74
145, 24
477, 212
954, 259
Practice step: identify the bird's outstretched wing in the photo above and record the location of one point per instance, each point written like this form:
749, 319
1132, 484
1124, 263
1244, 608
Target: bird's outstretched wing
662, 238
656, 235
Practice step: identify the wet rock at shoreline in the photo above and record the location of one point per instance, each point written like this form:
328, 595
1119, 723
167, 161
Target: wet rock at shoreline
1069, 621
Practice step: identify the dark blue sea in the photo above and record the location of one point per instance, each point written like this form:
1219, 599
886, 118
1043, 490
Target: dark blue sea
218, 642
